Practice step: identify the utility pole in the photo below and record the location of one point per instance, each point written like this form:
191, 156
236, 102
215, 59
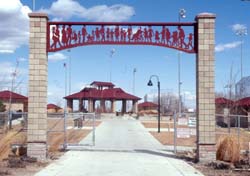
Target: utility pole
13, 74
134, 71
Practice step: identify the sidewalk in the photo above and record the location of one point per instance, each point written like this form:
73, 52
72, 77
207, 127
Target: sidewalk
123, 148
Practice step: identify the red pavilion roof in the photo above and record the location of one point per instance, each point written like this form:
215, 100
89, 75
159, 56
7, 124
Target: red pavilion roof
5, 95
104, 84
243, 102
111, 93
222, 100
147, 104
53, 106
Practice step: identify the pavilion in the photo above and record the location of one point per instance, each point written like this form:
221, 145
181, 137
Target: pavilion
103, 92
18, 101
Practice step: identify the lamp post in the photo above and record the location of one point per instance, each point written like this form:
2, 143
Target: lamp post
69, 71
182, 14
241, 32
159, 97
65, 107
112, 52
134, 71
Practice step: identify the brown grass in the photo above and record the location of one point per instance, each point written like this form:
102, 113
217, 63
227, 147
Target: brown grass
167, 138
56, 139
163, 125
228, 149
12, 137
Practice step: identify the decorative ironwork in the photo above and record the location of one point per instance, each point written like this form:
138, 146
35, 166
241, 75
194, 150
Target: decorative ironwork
65, 35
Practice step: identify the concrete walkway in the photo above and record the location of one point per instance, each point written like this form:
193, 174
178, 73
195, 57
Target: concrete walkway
123, 147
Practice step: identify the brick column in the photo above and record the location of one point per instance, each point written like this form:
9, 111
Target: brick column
70, 105
102, 104
80, 108
38, 63
124, 106
112, 106
90, 105
135, 104
205, 87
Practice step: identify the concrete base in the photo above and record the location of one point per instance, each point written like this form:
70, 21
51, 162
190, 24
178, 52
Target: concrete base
207, 152
37, 150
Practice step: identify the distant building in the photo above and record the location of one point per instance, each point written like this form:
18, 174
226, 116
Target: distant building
52, 108
101, 94
147, 106
18, 102
242, 88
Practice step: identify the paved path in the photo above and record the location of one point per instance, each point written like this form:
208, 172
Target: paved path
123, 148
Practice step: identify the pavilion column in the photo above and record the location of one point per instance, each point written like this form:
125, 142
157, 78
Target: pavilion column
93, 108
102, 104
80, 105
38, 83
70, 105
124, 106
205, 101
135, 104
90, 105
113, 106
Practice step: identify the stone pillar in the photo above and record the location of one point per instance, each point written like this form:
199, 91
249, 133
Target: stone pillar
93, 105
205, 99
102, 104
135, 104
38, 72
90, 105
70, 105
80, 109
113, 106
124, 106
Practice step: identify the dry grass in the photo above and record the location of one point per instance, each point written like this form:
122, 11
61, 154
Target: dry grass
163, 125
228, 149
56, 139
12, 137
167, 138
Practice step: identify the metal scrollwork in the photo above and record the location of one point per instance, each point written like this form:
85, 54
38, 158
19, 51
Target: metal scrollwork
68, 35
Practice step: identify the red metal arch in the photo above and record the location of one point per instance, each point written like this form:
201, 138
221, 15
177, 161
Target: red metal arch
66, 35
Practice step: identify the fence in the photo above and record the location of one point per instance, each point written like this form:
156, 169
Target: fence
67, 130
13, 120
235, 125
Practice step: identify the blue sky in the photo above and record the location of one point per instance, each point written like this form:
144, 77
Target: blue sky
91, 63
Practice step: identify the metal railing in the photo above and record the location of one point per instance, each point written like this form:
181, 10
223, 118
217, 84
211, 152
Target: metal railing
65, 126
235, 125
10, 120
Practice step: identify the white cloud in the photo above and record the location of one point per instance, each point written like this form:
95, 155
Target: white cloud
22, 59
66, 9
239, 28
189, 96
222, 47
14, 26
6, 71
57, 57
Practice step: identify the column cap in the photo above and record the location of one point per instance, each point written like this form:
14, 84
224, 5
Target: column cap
36, 15
205, 15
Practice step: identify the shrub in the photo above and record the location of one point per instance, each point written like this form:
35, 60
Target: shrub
228, 149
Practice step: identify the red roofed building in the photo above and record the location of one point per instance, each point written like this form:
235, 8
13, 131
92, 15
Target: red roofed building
18, 102
102, 92
52, 108
147, 106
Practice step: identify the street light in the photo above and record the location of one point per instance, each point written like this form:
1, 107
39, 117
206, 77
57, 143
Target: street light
69, 71
159, 97
134, 71
182, 14
241, 32
112, 52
